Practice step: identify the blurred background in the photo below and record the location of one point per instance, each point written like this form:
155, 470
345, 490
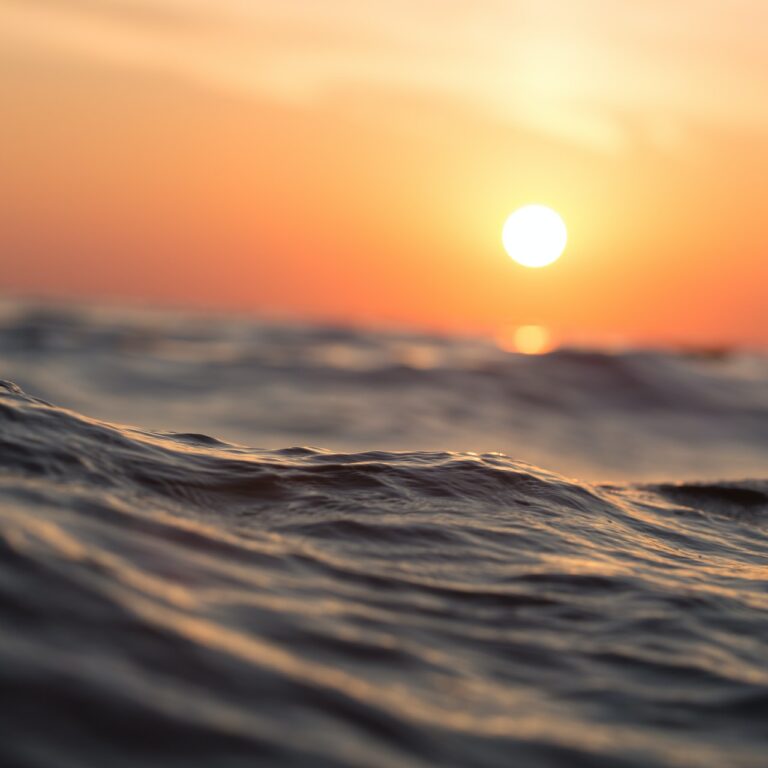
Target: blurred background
355, 162
314, 193
629, 415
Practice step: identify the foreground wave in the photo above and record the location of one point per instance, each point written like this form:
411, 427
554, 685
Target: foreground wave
169, 599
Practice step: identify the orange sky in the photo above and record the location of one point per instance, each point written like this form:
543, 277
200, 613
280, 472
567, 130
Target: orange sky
356, 160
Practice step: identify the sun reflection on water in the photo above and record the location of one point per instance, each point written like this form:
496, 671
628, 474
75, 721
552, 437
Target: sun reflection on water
526, 339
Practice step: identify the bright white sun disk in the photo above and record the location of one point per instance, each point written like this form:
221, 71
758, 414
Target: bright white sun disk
534, 236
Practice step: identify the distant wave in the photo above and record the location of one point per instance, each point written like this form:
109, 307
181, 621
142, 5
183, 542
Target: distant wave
171, 599
635, 415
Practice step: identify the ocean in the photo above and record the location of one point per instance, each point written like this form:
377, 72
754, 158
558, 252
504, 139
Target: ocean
230, 542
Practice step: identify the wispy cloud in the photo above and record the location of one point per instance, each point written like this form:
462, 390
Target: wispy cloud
583, 70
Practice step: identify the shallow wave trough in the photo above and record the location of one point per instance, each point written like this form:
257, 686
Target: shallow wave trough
171, 599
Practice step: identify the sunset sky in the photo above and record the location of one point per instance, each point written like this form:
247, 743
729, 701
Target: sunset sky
356, 161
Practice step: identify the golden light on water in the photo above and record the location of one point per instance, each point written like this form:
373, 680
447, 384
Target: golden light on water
534, 236
526, 340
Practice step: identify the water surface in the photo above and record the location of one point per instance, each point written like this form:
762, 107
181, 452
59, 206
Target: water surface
415, 592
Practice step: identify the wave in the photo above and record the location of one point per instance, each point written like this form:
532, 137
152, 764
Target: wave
170, 598
634, 415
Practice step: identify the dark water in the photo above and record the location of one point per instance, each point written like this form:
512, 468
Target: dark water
169, 599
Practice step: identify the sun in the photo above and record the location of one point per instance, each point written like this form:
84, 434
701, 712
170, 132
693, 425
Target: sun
534, 236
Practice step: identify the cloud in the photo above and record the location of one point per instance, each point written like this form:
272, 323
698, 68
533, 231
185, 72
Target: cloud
580, 70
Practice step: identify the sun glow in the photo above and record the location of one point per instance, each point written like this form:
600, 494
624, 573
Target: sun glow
534, 236
526, 339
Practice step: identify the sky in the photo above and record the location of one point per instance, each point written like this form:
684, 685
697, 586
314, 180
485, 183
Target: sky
355, 162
